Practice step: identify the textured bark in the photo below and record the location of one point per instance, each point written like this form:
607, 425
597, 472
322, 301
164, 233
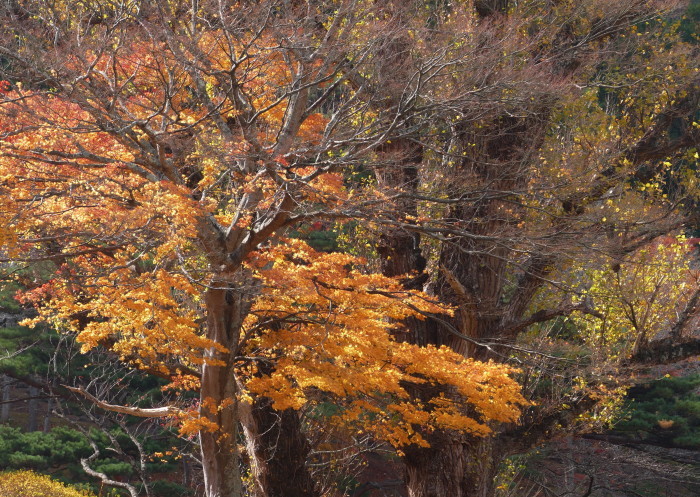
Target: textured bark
473, 278
278, 449
220, 456
400, 249
462, 469
449, 466
487, 8
665, 351
47, 418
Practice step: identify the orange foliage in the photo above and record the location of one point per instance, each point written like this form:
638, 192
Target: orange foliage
327, 326
131, 236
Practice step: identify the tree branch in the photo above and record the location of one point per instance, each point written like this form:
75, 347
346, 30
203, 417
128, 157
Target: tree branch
154, 412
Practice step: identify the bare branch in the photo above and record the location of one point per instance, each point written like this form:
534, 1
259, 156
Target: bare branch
154, 412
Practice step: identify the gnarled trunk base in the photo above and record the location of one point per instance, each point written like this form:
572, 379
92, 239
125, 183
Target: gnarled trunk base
278, 449
452, 469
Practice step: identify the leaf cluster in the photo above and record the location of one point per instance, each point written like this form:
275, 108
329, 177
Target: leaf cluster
29, 484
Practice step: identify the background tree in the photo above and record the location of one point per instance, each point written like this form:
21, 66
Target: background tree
569, 133
119, 451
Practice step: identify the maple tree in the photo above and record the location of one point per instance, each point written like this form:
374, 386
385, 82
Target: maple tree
158, 159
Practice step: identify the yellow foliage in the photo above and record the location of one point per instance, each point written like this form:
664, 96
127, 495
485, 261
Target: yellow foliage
29, 484
637, 298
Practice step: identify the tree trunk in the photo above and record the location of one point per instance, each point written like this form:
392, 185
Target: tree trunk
449, 466
278, 449
6, 397
456, 469
220, 459
32, 407
47, 418
220, 456
185, 471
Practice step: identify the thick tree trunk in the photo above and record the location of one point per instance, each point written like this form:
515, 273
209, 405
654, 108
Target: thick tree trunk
449, 466
454, 469
220, 456
279, 450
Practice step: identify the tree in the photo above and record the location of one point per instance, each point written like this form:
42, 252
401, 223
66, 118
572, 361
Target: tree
646, 294
570, 133
157, 154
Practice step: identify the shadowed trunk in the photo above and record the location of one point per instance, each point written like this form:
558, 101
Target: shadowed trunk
47, 418
473, 275
278, 449
6, 397
452, 468
33, 409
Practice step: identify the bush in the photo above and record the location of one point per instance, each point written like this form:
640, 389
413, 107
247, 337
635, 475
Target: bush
665, 412
164, 488
20, 460
39, 450
29, 484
